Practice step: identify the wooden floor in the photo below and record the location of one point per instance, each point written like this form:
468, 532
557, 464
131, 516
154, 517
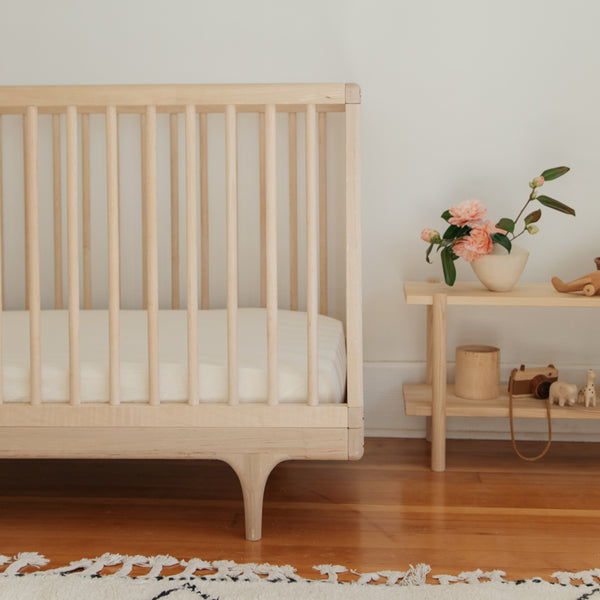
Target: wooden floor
488, 510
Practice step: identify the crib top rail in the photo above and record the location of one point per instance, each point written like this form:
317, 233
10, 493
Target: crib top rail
287, 97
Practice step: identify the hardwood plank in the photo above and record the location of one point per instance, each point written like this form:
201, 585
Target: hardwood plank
487, 510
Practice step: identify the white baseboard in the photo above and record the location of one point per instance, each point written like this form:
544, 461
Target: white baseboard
384, 409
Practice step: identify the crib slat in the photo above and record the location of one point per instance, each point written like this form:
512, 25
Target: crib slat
263, 209
112, 198
1, 265
2, 299
144, 219
57, 211
152, 253
293, 192
86, 211
311, 255
33, 250
174, 141
192, 252
26, 209
271, 249
323, 308
353, 258
232, 252
73, 255
204, 256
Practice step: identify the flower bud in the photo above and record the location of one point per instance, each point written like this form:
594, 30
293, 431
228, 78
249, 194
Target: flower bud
532, 229
538, 182
431, 236
534, 194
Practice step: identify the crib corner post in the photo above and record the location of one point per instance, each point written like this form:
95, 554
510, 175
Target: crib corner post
253, 470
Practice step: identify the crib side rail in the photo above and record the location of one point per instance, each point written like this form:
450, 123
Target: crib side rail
194, 102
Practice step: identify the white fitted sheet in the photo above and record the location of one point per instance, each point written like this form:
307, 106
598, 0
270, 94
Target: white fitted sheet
212, 344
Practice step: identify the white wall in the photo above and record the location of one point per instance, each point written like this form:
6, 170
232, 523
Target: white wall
468, 98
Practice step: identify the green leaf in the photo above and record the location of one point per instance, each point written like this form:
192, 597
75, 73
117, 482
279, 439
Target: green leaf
554, 173
455, 231
500, 238
533, 217
506, 224
446, 215
556, 205
448, 266
429, 252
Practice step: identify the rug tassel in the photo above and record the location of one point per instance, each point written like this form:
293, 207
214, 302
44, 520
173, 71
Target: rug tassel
331, 571
193, 565
25, 559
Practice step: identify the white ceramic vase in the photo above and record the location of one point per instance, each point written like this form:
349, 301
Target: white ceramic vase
499, 271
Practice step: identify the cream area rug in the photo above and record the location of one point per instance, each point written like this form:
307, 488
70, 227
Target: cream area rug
108, 578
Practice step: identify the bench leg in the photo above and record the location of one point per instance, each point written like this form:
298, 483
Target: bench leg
253, 470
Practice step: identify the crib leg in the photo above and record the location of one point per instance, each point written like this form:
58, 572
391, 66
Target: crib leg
253, 470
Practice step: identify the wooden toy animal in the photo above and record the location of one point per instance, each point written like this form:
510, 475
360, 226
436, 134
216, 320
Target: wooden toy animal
588, 284
588, 392
563, 393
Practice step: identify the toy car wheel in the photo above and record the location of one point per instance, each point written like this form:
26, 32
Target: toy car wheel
589, 289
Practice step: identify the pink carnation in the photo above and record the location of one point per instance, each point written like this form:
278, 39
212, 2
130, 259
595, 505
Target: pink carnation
477, 244
469, 212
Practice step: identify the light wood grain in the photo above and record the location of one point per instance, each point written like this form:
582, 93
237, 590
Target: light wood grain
191, 190
144, 218
474, 294
152, 254
2, 298
271, 258
86, 216
323, 279
174, 415
30, 127
232, 253
114, 293
438, 384
57, 211
137, 96
312, 282
26, 209
354, 339
262, 209
204, 216
174, 179
293, 193
73, 254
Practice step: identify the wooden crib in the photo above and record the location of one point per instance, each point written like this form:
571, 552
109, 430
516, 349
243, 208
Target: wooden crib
49, 152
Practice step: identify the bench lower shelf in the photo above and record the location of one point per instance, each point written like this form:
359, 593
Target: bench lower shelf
417, 402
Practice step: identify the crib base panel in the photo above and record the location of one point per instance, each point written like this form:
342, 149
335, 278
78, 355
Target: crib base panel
171, 443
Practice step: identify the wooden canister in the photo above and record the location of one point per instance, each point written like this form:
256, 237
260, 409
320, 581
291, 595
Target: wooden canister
477, 372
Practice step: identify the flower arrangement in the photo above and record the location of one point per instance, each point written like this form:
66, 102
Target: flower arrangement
470, 236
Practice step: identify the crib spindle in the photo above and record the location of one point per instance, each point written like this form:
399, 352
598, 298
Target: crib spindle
192, 250
293, 192
323, 308
263, 209
204, 256
73, 255
152, 253
271, 251
312, 286
232, 252
57, 211
1, 264
33, 250
112, 197
26, 210
144, 218
353, 258
2, 298
86, 211
174, 154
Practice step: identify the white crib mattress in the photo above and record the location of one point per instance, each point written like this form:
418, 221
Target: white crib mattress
212, 344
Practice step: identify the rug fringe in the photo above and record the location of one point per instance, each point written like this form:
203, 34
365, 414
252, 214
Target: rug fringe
232, 571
